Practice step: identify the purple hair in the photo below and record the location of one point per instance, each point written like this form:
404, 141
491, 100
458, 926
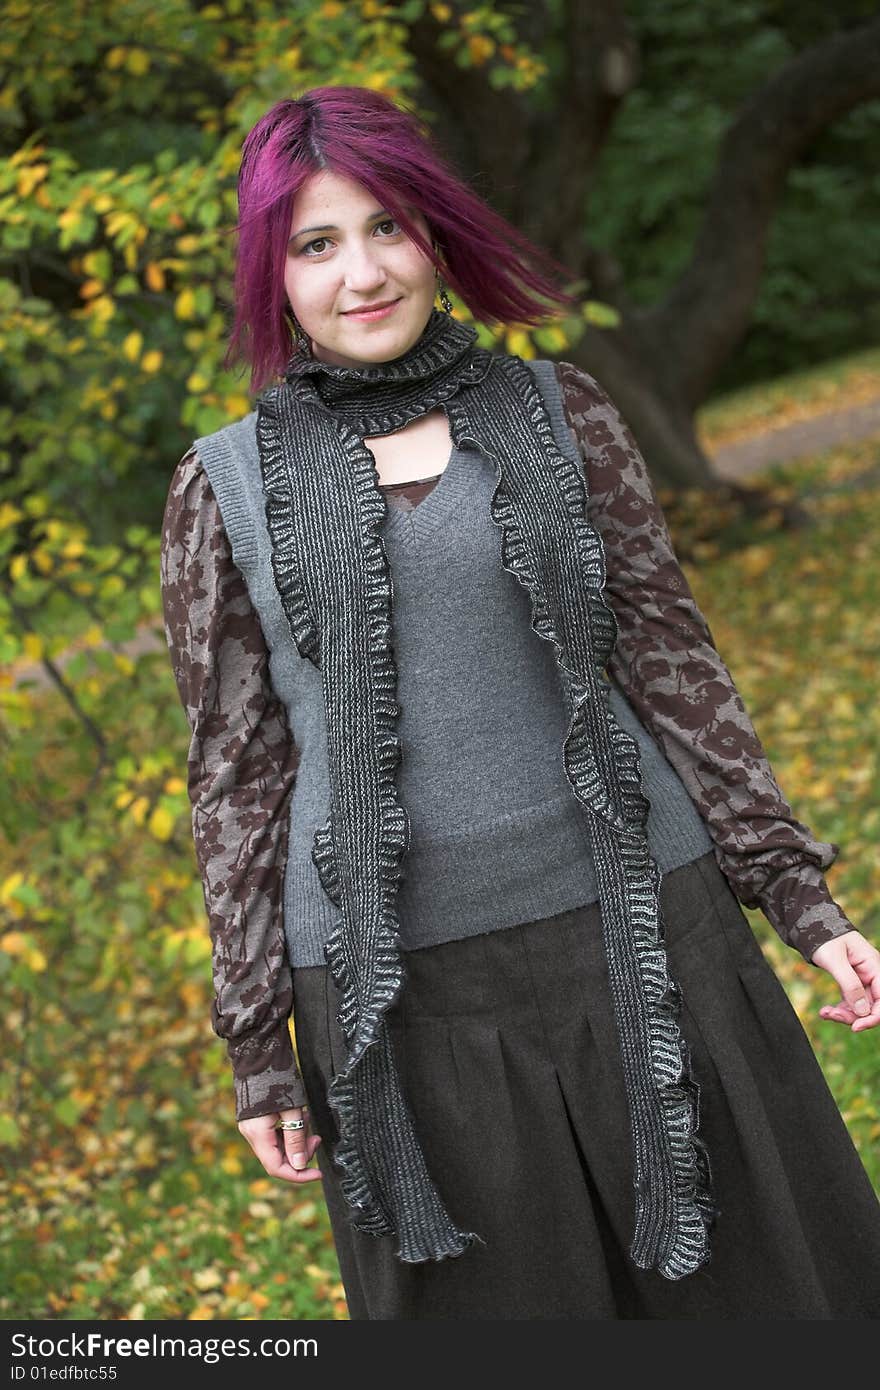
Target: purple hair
360, 134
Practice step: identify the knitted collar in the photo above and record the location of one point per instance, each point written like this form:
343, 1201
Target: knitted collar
384, 396
324, 515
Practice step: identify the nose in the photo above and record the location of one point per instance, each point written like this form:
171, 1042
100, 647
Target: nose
363, 269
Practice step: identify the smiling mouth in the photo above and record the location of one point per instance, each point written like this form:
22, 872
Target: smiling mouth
372, 311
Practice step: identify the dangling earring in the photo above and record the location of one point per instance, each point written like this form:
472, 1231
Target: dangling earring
444, 297
445, 301
301, 339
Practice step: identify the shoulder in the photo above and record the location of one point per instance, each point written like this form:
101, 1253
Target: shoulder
583, 399
189, 490
582, 393
229, 437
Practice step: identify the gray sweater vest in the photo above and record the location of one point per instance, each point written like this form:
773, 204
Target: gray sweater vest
497, 835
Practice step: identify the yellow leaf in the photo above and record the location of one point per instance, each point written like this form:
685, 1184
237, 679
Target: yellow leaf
33, 645
755, 560
29, 178
9, 885
14, 943
518, 343
103, 308
18, 566
9, 515
115, 57
138, 61
843, 706
152, 361
197, 382
132, 345
161, 824
481, 47
235, 1286
203, 1313
185, 304
154, 276
175, 785
138, 810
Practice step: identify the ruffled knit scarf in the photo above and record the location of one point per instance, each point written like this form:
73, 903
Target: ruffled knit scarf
325, 513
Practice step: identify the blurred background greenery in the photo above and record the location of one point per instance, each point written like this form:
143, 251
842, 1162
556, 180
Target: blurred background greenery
709, 175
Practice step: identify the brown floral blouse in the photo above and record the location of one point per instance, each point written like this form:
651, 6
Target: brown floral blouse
242, 760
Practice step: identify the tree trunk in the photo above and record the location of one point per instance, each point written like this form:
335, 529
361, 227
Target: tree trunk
660, 364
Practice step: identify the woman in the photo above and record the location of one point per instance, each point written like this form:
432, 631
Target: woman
476, 800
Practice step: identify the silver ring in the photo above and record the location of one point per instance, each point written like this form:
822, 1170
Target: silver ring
291, 1124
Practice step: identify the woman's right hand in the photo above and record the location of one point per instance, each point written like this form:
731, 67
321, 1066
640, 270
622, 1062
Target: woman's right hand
279, 1150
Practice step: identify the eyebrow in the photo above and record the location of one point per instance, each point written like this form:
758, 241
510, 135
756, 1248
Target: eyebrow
383, 212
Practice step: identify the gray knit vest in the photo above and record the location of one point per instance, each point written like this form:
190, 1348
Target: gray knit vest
497, 837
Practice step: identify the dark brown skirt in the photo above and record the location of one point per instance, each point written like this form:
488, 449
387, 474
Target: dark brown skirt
508, 1056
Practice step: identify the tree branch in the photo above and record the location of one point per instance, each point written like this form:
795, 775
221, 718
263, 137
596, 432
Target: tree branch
698, 324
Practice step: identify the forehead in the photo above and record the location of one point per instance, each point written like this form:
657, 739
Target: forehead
328, 197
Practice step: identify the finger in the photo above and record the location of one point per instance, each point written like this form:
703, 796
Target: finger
268, 1145
296, 1141
872, 1020
308, 1174
835, 1013
852, 990
269, 1149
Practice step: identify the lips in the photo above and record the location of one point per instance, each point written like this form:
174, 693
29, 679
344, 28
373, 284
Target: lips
372, 308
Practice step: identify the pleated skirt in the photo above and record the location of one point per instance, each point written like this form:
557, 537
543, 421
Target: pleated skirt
508, 1056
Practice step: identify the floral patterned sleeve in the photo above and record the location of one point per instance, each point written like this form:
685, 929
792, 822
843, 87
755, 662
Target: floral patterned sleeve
669, 668
241, 769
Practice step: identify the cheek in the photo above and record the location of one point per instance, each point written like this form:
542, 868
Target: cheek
290, 278
303, 291
416, 267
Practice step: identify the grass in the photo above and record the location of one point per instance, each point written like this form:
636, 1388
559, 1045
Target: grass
800, 395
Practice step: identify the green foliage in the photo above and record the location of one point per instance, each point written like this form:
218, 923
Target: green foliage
820, 293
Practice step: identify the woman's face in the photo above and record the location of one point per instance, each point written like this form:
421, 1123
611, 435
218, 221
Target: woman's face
342, 257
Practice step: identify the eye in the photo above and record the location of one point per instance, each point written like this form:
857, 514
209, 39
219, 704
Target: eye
387, 222
303, 249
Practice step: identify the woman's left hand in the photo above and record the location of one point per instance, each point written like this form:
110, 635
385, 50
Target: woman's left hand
855, 965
